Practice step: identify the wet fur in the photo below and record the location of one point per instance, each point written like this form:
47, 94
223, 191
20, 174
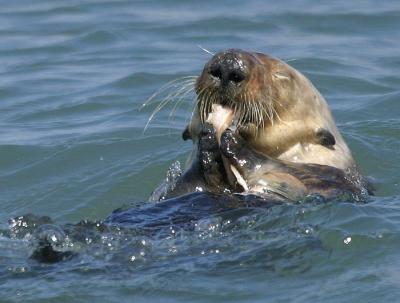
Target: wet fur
279, 112
282, 121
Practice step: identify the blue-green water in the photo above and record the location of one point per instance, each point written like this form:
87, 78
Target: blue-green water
73, 76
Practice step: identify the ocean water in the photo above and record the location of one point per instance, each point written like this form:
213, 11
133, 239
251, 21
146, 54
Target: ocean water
73, 147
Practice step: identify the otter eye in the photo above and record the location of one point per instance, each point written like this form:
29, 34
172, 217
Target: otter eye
282, 76
236, 76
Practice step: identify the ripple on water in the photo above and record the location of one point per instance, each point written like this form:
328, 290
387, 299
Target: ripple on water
72, 146
246, 244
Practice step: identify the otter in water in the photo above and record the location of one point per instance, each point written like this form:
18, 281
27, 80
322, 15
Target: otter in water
278, 110
288, 138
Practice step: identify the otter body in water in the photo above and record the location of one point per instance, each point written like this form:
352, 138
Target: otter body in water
285, 141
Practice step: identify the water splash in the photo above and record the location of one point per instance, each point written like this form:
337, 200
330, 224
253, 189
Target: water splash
168, 185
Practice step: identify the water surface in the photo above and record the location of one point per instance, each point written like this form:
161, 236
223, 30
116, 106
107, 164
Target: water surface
73, 77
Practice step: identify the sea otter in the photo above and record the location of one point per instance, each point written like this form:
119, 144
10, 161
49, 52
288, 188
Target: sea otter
277, 109
282, 122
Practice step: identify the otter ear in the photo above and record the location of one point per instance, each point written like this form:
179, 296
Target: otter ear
186, 135
325, 138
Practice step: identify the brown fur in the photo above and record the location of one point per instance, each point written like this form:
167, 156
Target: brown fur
278, 109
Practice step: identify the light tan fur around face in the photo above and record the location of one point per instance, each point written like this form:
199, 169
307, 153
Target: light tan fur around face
278, 111
291, 137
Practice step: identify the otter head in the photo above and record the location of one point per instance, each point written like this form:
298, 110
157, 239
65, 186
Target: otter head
262, 91
247, 83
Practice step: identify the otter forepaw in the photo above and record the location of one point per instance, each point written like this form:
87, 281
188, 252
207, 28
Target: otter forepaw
209, 156
236, 150
208, 138
229, 143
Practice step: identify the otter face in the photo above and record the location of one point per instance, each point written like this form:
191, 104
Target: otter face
276, 109
254, 85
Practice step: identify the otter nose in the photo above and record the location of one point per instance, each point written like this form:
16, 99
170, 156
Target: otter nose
228, 68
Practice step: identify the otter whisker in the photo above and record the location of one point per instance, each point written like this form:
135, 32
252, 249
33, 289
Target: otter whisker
184, 86
200, 96
266, 111
180, 100
162, 104
155, 111
257, 110
277, 115
205, 101
258, 117
182, 92
261, 119
269, 105
268, 115
276, 101
243, 109
201, 99
166, 86
166, 100
208, 108
253, 113
237, 112
205, 50
271, 113
290, 60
